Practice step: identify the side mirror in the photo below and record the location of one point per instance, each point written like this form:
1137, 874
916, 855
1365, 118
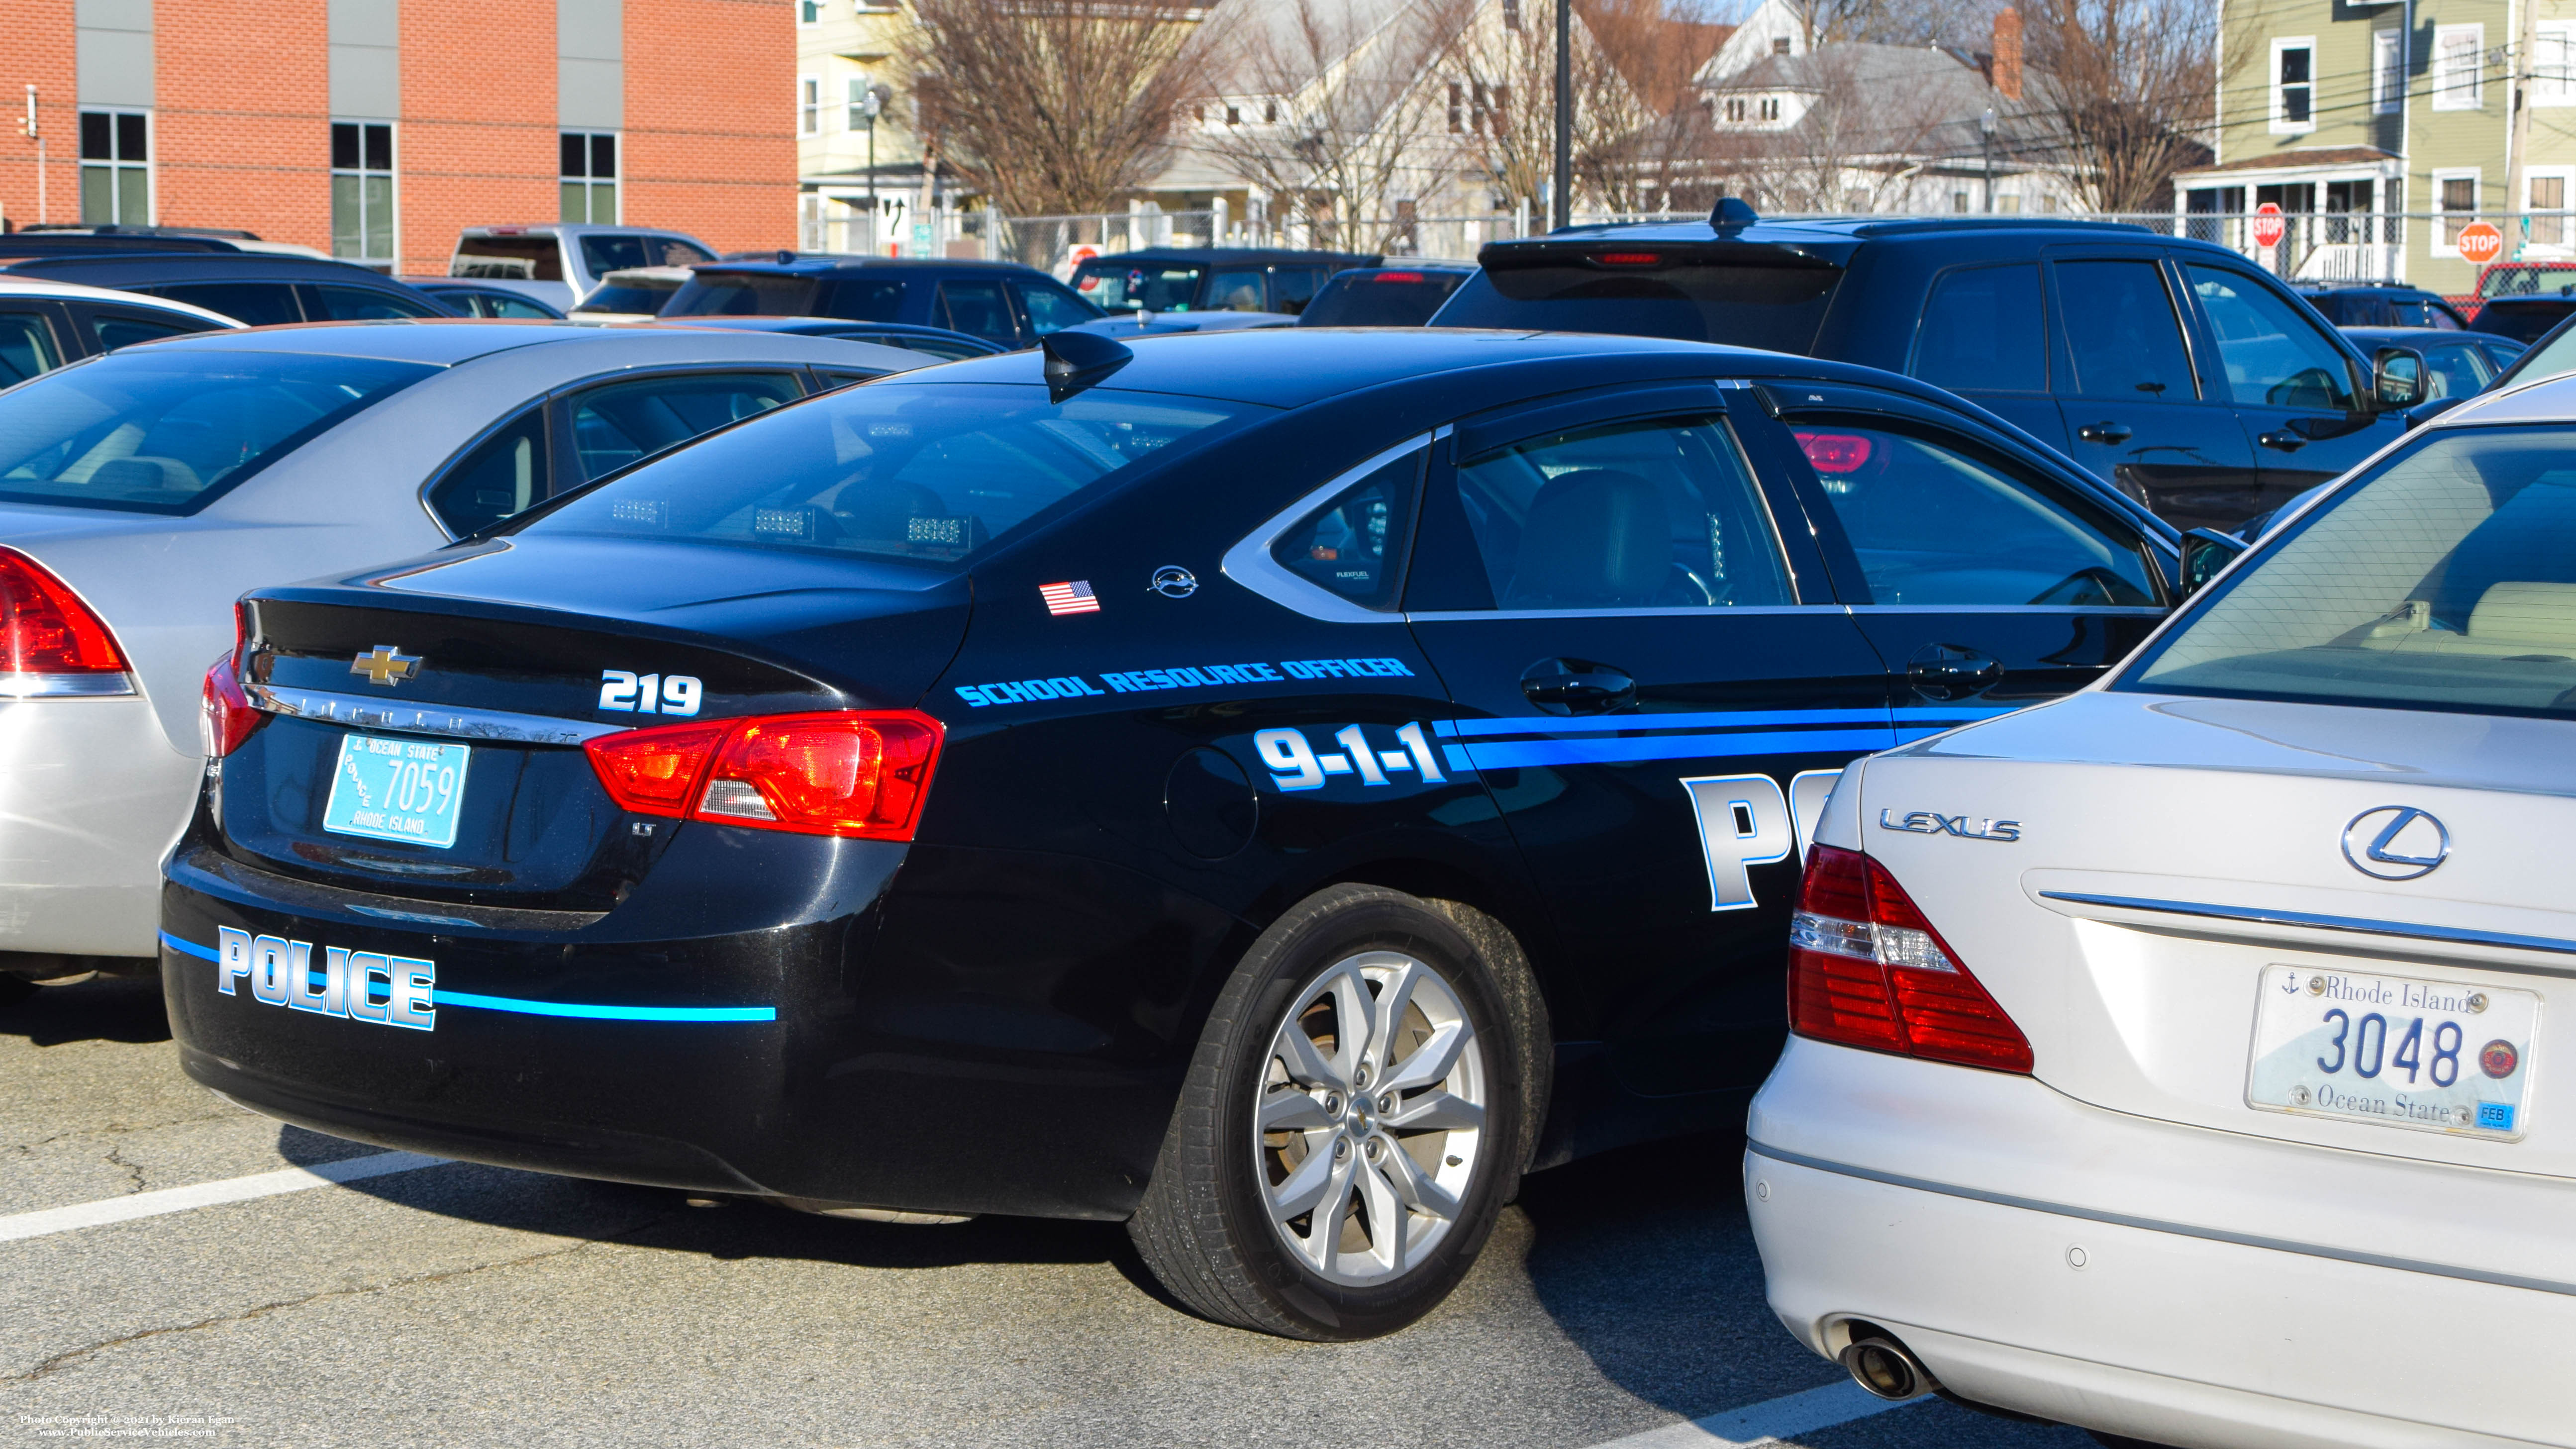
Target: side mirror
2205, 551
2397, 375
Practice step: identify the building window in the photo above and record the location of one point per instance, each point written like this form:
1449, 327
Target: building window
2545, 199
590, 176
860, 118
1779, 45
2459, 75
1735, 108
2455, 197
362, 191
809, 12
809, 107
2388, 72
2294, 85
1511, 14
1457, 109
1770, 108
2554, 68
116, 172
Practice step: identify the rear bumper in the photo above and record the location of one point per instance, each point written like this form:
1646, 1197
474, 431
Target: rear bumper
2224, 1296
919, 1044
91, 796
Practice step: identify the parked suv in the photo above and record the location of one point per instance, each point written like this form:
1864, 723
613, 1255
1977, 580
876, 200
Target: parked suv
1211, 279
1002, 302
257, 290
2198, 384
2384, 304
562, 262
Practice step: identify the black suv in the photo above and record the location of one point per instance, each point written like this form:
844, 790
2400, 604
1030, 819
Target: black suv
247, 287
1211, 279
2196, 382
1004, 303
2384, 304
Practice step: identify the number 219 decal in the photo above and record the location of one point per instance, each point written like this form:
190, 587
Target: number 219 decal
626, 692
1745, 821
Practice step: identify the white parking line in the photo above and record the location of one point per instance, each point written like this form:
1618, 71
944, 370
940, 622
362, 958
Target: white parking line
1768, 1422
207, 1194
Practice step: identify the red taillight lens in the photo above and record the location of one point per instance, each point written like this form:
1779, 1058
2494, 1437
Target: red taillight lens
861, 774
1628, 259
225, 716
656, 771
1396, 277
45, 628
1834, 452
1866, 969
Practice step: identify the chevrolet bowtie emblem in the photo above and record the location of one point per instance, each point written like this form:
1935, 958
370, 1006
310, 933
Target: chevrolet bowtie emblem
385, 664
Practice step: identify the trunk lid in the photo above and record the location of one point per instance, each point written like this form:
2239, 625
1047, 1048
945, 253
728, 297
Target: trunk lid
2179, 858
497, 662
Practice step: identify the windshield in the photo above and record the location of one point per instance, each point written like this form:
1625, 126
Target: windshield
2445, 579
925, 473
1777, 308
512, 258
156, 432
1120, 286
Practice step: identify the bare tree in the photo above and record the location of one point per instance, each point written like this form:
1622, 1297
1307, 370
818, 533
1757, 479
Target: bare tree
1326, 106
2123, 87
1872, 116
1643, 137
1053, 106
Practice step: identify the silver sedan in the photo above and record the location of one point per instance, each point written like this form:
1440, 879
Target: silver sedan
143, 491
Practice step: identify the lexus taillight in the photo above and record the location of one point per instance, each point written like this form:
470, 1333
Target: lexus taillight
225, 715
45, 629
1866, 969
860, 774
1832, 453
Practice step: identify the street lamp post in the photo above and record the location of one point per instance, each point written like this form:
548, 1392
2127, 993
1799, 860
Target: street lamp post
1986, 140
1562, 213
869, 108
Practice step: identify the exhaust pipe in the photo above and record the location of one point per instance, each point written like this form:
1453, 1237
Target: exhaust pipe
1886, 1368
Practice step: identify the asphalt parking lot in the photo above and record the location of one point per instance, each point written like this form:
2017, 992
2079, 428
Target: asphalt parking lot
458, 1305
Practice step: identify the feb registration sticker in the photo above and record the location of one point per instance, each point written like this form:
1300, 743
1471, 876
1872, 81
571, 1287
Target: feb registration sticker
387, 789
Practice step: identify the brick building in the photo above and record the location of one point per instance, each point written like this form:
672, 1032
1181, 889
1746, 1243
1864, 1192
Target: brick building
374, 129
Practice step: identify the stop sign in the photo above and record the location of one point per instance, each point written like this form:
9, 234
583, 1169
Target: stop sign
2480, 243
2268, 226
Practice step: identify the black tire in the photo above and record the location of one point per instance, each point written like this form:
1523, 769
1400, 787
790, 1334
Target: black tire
15, 988
1205, 1228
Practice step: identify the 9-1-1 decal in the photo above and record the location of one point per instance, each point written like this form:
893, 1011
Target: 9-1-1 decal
1295, 764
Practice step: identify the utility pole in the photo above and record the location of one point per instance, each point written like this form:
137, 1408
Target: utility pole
36, 134
870, 108
2526, 73
1986, 139
1562, 213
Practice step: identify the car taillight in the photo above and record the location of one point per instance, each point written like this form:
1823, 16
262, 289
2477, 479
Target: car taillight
44, 626
860, 774
225, 715
1866, 969
1397, 277
1834, 452
1628, 259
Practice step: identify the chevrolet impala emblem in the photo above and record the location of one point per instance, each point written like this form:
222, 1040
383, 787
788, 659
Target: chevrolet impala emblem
385, 665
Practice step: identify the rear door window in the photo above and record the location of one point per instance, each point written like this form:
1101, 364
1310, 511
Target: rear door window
255, 304
1984, 330
622, 422
26, 347
366, 304
114, 328
978, 309
862, 299
508, 471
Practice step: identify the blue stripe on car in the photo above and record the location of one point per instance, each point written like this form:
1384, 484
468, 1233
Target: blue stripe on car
441, 996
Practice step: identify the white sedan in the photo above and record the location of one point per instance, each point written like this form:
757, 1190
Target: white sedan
143, 491
2193, 1059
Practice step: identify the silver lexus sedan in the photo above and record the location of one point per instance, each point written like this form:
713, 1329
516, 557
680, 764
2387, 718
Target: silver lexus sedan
143, 491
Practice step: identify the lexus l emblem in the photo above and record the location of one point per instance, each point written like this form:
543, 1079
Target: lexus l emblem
385, 665
2395, 842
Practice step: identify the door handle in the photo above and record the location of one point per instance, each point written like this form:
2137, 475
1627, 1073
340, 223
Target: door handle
1952, 671
2283, 439
1576, 686
2105, 432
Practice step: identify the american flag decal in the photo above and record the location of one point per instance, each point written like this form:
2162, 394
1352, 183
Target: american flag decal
1073, 598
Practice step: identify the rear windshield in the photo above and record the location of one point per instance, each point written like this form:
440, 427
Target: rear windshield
625, 297
517, 258
2445, 579
1778, 308
743, 294
1117, 286
604, 254
925, 473
2523, 321
158, 432
1380, 299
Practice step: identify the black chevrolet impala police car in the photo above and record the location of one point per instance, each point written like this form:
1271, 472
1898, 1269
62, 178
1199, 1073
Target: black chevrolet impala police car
1273, 788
